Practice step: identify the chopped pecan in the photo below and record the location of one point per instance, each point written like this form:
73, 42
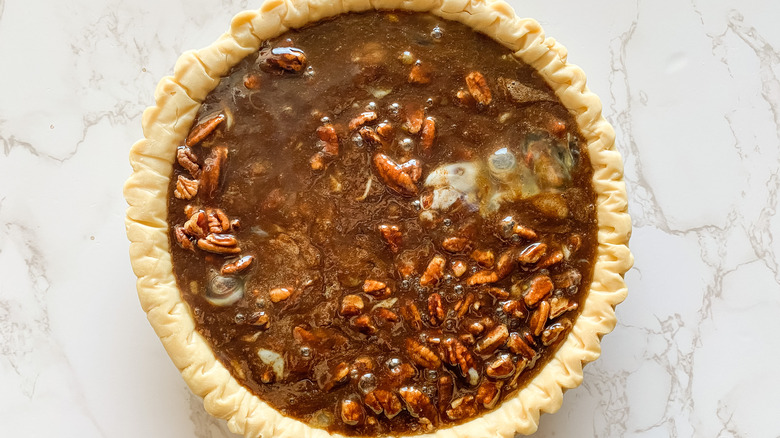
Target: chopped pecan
433, 272
524, 232
497, 293
219, 244
386, 315
285, 58
557, 128
501, 367
532, 253
183, 239
539, 318
203, 129
217, 220
459, 268
380, 400
187, 159
505, 264
422, 355
237, 266
456, 354
569, 278
493, 340
445, 388
370, 136
538, 288
376, 288
428, 135
363, 365
351, 412
337, 377
385, 131
185, 188
482, 277
484, 257
351, 305
392, 235
476, 328
518, 345
514, 308
279, 294
328, 144
561, 305
478, 88
362, 119
487, 393
464, 98
455, 244
554, 331
212, 169
435, 309
252, 81
259, 319
412, 315
401, 178
462, 307
464, 407
414, 120
417, 403
551, 259
419, 74
364, 324
190, 209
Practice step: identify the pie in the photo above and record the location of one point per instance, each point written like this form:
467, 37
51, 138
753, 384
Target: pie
398, 219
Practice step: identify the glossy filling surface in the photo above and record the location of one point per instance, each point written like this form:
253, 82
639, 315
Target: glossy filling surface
383, 223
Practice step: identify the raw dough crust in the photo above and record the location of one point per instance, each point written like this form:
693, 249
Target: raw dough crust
166, 124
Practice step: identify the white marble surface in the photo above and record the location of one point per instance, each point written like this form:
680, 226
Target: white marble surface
692, 87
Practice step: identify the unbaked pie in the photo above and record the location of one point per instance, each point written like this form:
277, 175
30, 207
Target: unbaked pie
378, 222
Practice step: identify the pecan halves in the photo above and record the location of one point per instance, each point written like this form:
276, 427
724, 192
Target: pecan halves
538, 288
419, 74
237, 266
362, 119
464, 407
197, 225
539, 318
401, 178
392, 236
183, 239
500, 368
478, 88
376, 288
351, 412
428, 135
351, 305
185, 188
518, 345
433, 272
422, 355
218, 221
455, 244
411, 314
187, 159
203, 129
493, 340
456, 354
219, 244
212, 170
435, 309
414, 121
329, 146
380, 400
285, 58
417, 403
532, 253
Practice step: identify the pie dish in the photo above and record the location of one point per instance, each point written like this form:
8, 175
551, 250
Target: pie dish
212, 286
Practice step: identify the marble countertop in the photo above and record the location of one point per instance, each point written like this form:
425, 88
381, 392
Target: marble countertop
692, 88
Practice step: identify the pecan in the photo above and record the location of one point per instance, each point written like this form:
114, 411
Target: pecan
412, 315
484, 258
237, 266
551, 259
197, 225
370, 136
351, 305
402, 373
259, 319
376, 288
455, 244
501, 367
187, 159
554, 331
524, 232
427, 135
539, 318
351, 412
252, 81
505, 264
419, 74
417, 403
435, 309
569, 278
190, 209
464, 98
497, 293
362, 365
268, 376
212, 168
538, 288
286, 58
279, 294
385, 131
302, 334
217, 220
380, 400
459, 268
561, 305
467, 339
433, 272
532, 253
364, 324
456, 354
462, 306
219, 244
493, 340
518, 345
203, 129
445, 389
464, 407
338, 376
328, 144
514, 308
386, 315
487, 393
482, 277
392, 235
183, 239
478, 88
185, 188
401, 178
575, 240
414, 121
362, 119
476, 328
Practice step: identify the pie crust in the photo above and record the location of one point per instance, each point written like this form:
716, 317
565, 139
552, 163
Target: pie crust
166, 124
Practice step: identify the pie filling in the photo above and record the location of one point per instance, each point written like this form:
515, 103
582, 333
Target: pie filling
383, 223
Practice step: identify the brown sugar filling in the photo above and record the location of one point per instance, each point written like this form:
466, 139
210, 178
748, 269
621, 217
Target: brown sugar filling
383, 223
